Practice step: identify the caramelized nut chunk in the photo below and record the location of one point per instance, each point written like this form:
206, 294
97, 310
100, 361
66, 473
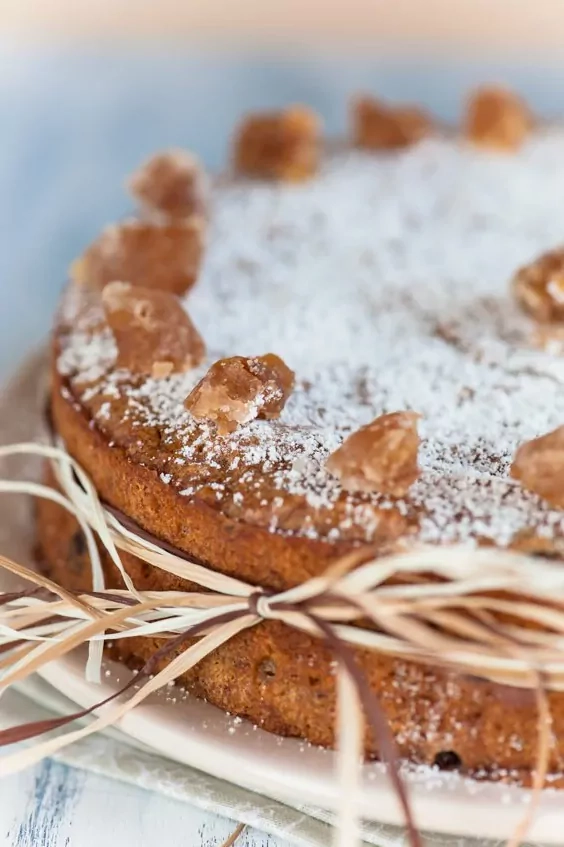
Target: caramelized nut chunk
153, 333
539, 287
378, 126
164, 257
497, 118
381, 456
539, 466
279, 145
172, 182
237, 390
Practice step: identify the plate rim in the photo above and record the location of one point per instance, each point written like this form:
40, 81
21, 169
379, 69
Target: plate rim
449, 804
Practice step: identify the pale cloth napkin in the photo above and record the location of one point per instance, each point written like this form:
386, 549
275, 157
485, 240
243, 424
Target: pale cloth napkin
113, 754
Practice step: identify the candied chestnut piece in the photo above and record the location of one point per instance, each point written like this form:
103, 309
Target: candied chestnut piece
539, 466
279, 145
497, 118
379, 126
153, 333
164, 256
380, 457
237, 390
173, 183
539, 287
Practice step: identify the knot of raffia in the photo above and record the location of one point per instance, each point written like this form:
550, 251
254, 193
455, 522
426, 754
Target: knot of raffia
260, 605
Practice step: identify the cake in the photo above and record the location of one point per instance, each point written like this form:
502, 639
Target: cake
353, 304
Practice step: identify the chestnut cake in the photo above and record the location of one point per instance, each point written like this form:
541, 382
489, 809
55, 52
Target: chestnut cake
334, 286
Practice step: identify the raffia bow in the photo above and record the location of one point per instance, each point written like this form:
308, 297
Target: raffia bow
452, 621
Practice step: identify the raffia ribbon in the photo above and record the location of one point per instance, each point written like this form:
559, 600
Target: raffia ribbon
453, 622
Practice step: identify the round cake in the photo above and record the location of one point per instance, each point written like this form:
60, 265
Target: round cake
371, 282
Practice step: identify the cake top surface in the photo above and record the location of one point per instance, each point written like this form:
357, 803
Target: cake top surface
384, 283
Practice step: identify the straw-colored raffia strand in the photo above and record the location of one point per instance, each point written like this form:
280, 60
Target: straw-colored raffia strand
350, 734
457, 620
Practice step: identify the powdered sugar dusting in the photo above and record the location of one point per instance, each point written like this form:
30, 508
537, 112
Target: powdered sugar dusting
384, 283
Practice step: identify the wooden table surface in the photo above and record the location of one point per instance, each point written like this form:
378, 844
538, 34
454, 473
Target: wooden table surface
56, 806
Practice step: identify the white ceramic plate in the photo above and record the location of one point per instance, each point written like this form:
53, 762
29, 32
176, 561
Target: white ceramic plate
195, 733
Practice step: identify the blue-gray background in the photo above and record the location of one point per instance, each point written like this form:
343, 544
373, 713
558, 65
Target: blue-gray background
72, 124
